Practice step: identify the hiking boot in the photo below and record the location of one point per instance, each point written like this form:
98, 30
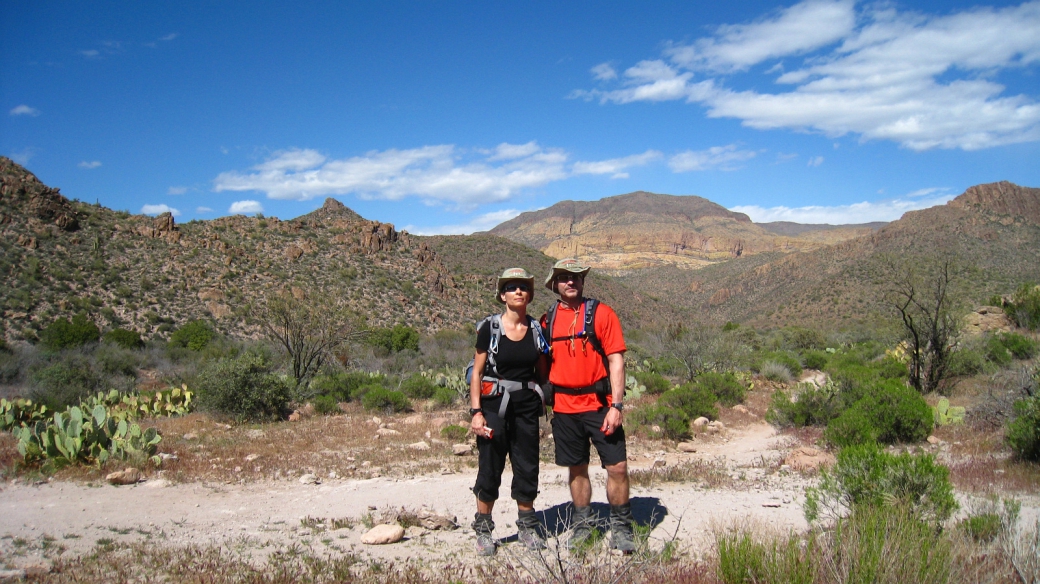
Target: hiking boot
581, 528
530, 531
483, 526
621, 521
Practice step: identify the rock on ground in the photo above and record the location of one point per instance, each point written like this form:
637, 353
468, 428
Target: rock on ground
383, 534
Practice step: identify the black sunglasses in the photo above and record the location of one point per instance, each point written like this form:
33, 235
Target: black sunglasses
513, 287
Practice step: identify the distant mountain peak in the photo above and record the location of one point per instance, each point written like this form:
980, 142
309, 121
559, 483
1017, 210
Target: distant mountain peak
1002, 198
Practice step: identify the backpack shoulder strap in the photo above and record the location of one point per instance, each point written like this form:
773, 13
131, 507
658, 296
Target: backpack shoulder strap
539, 338
590, 331
495, 323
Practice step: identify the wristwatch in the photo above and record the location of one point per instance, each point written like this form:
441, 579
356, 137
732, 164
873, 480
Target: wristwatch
475, 411
617, 406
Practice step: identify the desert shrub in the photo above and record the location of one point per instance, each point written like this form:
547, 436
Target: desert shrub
967, 361
691, 399
890, 412
396, 339
745, 557
444, 396
125, 338
981, 527
1023, 431
655, 383
65, 334
326, 405
867, 476
418, 387
360, 391
810, 406
782, 357
1020, 347
774, 371
815, 359
380, 398
1024, 307
341, 385
801, 338
674, 423
66, 382
194, 335
724, 386
996, 352
243, 388
455, 433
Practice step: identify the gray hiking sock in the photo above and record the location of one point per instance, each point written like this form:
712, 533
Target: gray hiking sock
483, 525
581, 526
530, 530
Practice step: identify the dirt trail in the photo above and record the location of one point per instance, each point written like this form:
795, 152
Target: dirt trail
266, 515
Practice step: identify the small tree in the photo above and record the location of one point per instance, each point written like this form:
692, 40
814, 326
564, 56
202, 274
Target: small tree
926, 308
310, 326
701, 349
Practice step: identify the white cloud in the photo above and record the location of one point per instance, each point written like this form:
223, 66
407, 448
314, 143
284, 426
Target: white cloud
796, 30
616, 166
176, 190
169, 37
604, 72
159, 209
923, 81
23, 156
815, 161
203, 210
89, 165
482, 223
91, 53
721, 157
505, 151
24, 110
246, 208
865, 212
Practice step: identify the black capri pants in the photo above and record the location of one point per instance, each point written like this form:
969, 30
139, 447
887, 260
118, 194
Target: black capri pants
516, 435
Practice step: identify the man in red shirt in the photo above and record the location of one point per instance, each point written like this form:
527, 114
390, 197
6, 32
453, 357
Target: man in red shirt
588, 377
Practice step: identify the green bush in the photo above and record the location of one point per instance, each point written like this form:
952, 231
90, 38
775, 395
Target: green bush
342, 385
674, 423
454, 433
784, 358
815, 359
243, 388
1020, 347
655, 383
194, 335
724, 386
124, 338
890, 412
996, 352
116, 361
692, 400
967, 361
1023, 431
63, 334
418, 387
1024, 308
380, 398
981, 527
811, 406
396, 339
361, 391
774, 371
65, 383
867, 476
444, 396
326, 405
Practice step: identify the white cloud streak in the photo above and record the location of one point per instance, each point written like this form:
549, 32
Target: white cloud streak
176, 190
24, 110
481, 223
604, 72
727, 157
203, 210
159, 209
865, 212
246, 208
814, 161
89, 164
440, 174
923, 81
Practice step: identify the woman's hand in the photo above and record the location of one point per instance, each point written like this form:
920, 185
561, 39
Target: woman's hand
476, 425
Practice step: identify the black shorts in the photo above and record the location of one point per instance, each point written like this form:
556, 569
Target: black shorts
574, 432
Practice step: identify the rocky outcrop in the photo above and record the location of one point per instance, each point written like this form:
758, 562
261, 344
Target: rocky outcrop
21, 190
1002, 198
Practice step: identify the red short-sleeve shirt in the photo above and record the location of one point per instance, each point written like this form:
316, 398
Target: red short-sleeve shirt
575, 363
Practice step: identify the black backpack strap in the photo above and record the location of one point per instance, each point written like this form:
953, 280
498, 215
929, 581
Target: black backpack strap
590, 331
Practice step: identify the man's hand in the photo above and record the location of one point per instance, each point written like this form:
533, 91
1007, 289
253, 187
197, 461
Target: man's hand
611, 422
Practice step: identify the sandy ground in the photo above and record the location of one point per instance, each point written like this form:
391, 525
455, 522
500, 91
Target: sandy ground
263, 516
39, 521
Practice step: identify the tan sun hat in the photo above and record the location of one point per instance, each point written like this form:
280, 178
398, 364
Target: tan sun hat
568, 265
514, 275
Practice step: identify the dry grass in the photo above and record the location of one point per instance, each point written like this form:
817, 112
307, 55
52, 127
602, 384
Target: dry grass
993, 474
699, 473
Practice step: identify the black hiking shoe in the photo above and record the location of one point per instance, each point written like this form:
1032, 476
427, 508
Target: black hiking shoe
581, 529
621, 536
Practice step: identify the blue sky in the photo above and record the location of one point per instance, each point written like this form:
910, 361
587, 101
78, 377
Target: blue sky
450, 117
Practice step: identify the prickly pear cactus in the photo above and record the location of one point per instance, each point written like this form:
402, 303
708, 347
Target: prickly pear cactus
945, 414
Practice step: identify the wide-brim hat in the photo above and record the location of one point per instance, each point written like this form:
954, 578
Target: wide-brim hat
566, 265
514, 275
